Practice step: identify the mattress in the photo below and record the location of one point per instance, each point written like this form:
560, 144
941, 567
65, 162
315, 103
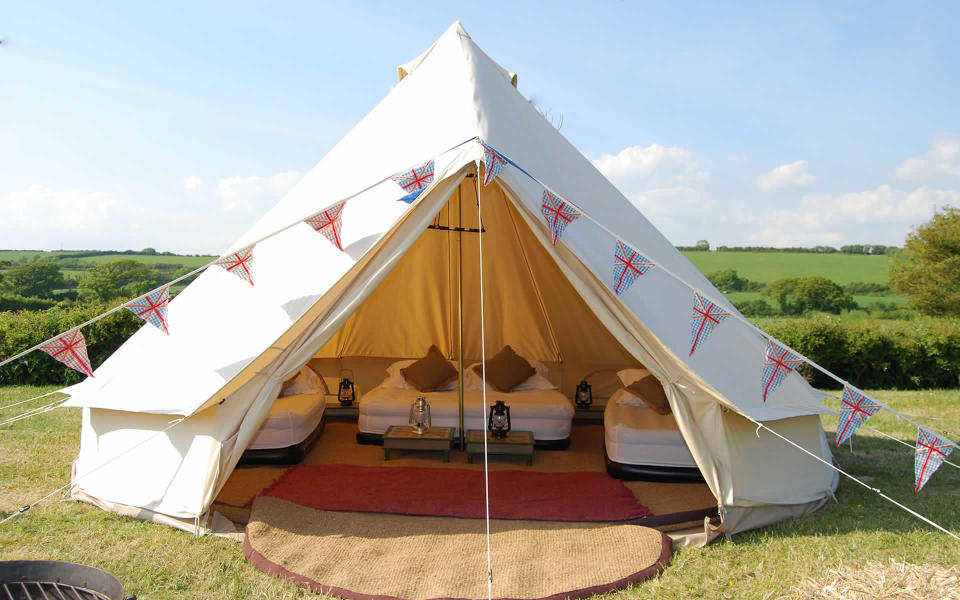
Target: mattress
547, 413
636, 435
291, 420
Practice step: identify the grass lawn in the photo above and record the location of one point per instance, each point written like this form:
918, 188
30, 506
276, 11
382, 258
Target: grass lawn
768, 266
154, 561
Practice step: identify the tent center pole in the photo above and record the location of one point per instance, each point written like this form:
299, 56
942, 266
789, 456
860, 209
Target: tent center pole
463, 433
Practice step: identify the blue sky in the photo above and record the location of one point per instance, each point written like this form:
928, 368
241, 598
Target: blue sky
174, 126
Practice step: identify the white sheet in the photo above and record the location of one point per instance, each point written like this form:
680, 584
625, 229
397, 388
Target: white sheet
636, 435
547, 413
290, 421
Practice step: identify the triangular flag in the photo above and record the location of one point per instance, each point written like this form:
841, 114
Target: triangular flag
628, 264
493, 163
415, 180
558, 212
706, 316
152, 308
855, 408
779, 362
931, 452
240, 263
328, 223
70, 349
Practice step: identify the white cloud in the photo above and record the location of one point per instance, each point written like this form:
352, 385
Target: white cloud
943, 159
193, 183
254, 194
790, 174
644, 161
882, 215
42, 209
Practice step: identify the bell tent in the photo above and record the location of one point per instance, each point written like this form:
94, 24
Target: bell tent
168, 416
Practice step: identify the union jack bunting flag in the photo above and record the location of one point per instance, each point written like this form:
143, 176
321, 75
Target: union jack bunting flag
628, 264
328, 223
855, 408
779, 363
493, 163
706, 316
931, 452
415, 180
558, 212
70, 349
240, 263
152, 308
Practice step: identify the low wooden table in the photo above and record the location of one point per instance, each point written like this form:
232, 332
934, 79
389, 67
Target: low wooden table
517, 443
404, 437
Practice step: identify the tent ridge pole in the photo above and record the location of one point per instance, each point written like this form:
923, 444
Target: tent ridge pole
463, 434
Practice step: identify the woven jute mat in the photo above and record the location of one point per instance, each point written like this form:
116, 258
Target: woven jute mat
362, 556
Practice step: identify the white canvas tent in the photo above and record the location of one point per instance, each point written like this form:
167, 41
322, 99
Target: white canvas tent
391, 293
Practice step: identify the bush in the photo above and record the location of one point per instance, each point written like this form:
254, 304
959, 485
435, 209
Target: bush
755, 308
22, 330
876, 353
12, 302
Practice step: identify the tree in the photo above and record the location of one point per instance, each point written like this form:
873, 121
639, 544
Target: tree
820, 293
34, 280
780, 291
702, 245
727, 280
927, 271
119, 278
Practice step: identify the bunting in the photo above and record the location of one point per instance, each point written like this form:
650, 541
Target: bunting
415, 180
627, 266
855, 408
779, 363
152, 308
70, 349
493, 162
931, 452
240, 263
328, 223
558, 212
706, 316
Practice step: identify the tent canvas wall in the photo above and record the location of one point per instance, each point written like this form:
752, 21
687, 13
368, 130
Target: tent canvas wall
389, 294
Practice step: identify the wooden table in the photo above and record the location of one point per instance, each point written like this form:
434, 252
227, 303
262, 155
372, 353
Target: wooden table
404, 437
517, 443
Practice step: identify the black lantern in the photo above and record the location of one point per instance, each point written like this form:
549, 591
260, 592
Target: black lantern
499, 421
346, 393
584, 397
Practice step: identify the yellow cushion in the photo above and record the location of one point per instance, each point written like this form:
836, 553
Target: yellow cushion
649, 389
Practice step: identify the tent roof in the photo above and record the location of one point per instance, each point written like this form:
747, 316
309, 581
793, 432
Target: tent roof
452, 94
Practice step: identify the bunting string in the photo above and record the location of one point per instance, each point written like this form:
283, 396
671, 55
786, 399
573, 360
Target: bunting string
203, 267
794, 355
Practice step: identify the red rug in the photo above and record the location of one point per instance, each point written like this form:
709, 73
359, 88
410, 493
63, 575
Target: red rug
578, 496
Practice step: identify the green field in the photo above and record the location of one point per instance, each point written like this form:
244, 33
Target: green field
70, 257
769, 266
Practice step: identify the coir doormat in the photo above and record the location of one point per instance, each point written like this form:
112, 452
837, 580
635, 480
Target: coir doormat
531, 495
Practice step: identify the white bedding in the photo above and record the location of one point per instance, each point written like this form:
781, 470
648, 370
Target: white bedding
636, 435
547, 413
290, 421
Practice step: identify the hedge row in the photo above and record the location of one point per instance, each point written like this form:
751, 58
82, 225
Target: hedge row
24, 329
869, 353
876, 353
10, 302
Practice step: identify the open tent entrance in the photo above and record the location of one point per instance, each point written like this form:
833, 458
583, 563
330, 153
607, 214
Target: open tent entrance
529, 304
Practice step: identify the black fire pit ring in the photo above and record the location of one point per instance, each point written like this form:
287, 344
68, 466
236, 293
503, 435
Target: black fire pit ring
42, 579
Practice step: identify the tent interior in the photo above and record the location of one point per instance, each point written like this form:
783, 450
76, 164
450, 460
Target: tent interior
528, 303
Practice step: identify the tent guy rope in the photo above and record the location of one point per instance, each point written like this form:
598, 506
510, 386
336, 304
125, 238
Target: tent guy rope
483, 395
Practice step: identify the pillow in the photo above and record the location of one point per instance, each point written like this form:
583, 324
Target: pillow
540, 367
430, 373
630, 400
306, 381
650, 390
628, 376
395, 378
535, 382
506, 370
